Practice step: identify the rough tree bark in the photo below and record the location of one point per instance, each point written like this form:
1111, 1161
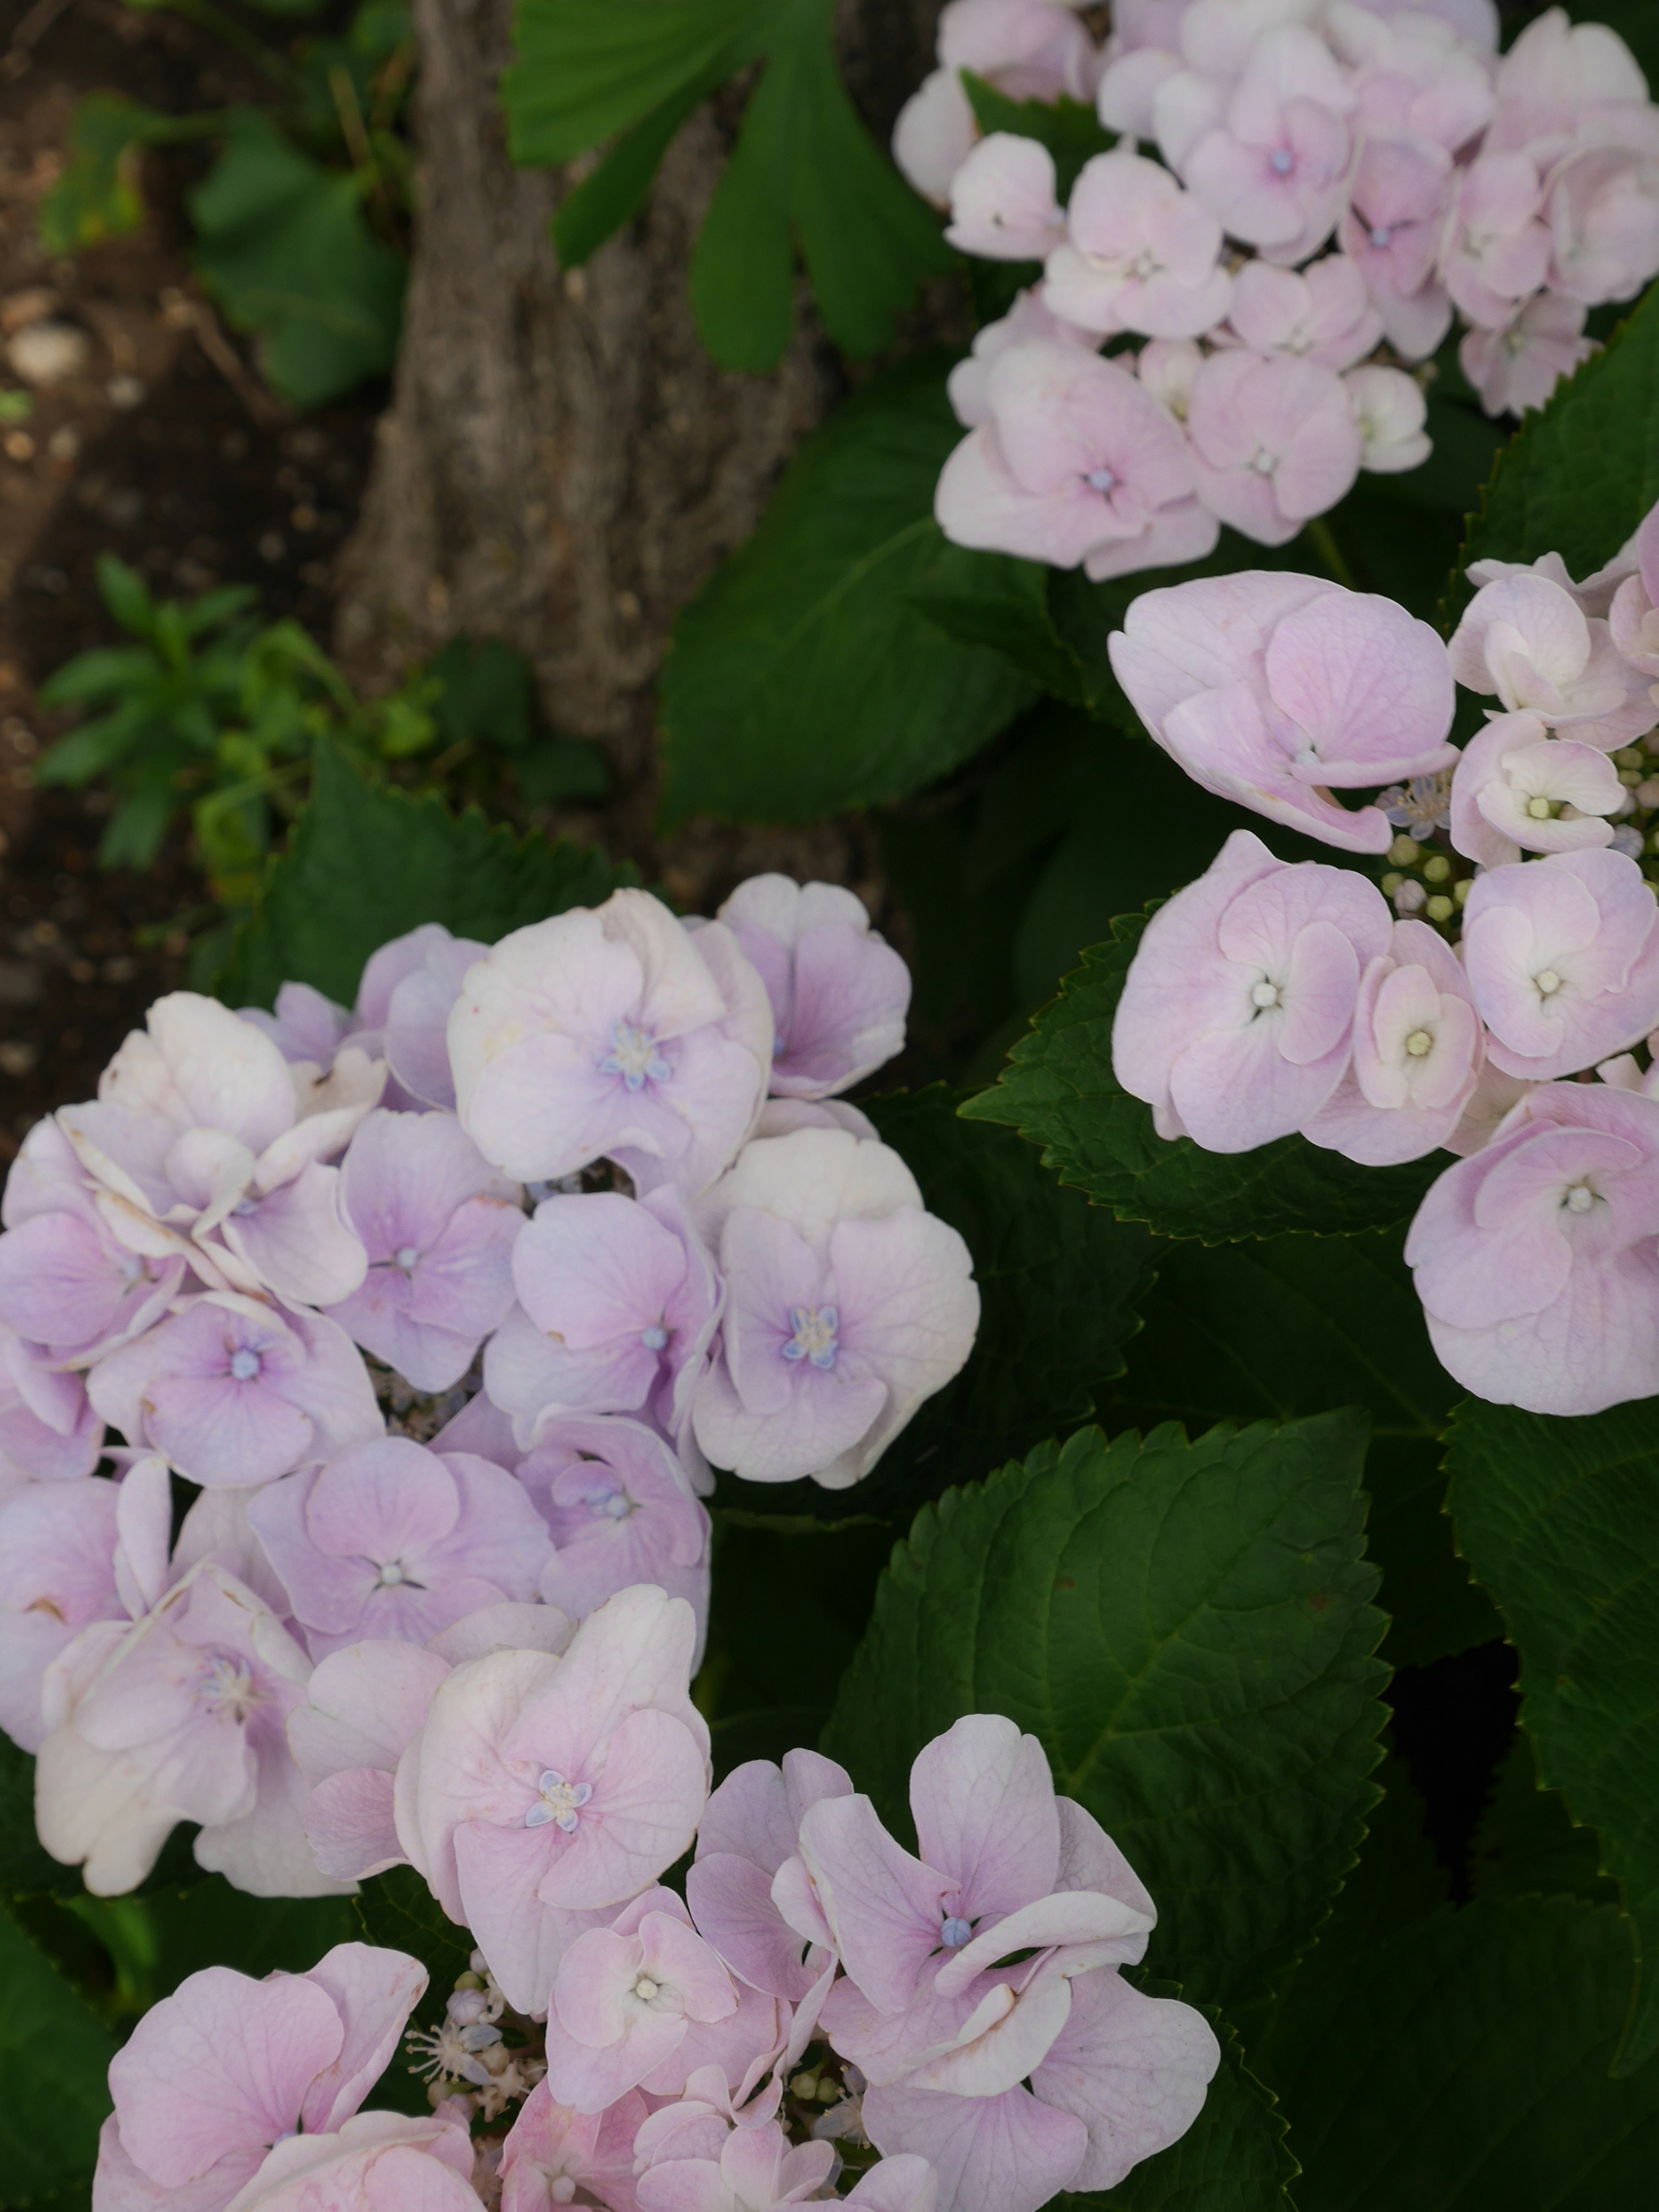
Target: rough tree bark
562, 465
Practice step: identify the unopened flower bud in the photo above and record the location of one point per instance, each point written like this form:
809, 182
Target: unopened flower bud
1436, 868
1403, 851
1440, 908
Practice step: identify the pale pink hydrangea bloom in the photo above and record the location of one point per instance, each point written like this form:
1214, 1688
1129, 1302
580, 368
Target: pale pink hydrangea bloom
1235, 1022
1520, 366
1560, 79
1168, 368
1139, 253
1002, 201
226, 2067
1515, 787
1319, 313
234, 1391
57, 1573
206, 1146
1526, 639
613, 1031
1418, 1051
1602, 208
1274, 689
1562, 955
178, 1717
551, 2152
1392, 232
48, 1429
1424, 78
847, 1306
438, 1226
1027, 49
1633, 617
392, 1541
755, 2170
749, 1829
838, 990
1275, 168
968, 383
1537, 1260
619, 1304
66, 1282
376, 2162
1390, 409
627, 2002
621, 1511
1497, 253
945, 2035
366, 1704
1076, 464
1273, 442
542, 1791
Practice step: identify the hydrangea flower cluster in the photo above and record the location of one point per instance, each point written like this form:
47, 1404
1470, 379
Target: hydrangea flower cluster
442, 1306
823, 2017
1321, 188
1507, 1008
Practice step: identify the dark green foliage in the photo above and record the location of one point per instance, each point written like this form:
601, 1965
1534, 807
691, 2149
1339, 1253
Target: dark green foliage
802, 680
805, 176
1058, 1091
54, 2051
365, 864
1302, 1325
1186, 1629
1559, 1520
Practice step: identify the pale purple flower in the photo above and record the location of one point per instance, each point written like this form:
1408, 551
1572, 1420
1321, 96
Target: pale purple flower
66, 1282
756, 2171
838, 990
417, 1019
1077, 464
542, 1790
392, 1541
781, 1116
1515, 787
1319, 313
1562, 79
1275, 170
1519, 367
179, 1716
1132, 2069
305, 1026
1237, 1018
1139, 253
1416, 76
1562, 955
1390, 410
613, 1031
1417, 1050
1273, 441
206, 1146
1537, 1260
57, 1573
550, 2145
225, 2067
1168, 368
968, 382
626, 2000
620, 1510
1028, 49
847, 1306
943, 2032
366, 1704
750, 1827
1632, 618
234, 1391
619, 1304
1391, 231
438, 1226
1002, 201
1602, 208
376, 2162
1525, 638
1593, 596
49, 1431
1497, 253
1274, 689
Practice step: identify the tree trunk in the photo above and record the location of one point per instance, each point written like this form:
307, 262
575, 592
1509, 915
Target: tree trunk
562, 464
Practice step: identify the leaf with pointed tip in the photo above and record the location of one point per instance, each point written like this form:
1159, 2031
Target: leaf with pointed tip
1186, 1628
